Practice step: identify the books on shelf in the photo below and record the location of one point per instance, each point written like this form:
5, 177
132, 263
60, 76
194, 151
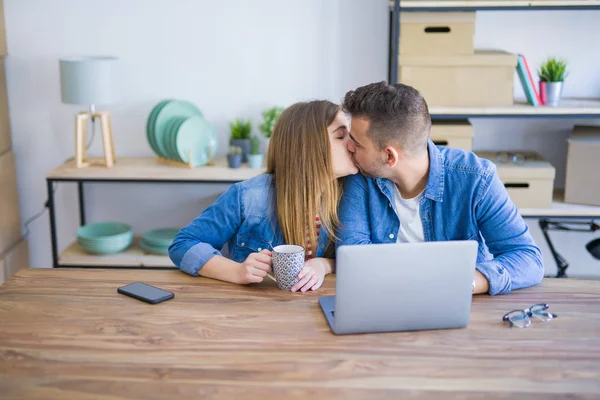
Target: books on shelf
529, 87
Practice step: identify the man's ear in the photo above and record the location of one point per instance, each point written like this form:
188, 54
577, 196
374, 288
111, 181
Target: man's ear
392, 156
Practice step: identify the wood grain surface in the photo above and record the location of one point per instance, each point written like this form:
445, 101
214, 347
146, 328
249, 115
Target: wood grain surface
68, 334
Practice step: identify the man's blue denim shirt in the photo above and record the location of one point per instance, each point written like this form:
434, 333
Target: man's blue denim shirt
464, 200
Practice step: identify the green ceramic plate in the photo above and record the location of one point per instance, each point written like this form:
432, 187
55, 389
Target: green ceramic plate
168, 129
154, 249
174, 108
160, 237
199, 136
172, 137
150, 125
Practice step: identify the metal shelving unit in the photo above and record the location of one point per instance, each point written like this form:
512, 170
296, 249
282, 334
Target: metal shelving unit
127, 171
585, 109
570, 108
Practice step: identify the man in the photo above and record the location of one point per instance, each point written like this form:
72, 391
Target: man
409, 190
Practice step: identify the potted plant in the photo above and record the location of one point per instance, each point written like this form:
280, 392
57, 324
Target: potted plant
255, 158
234, 157
240, 136
552, 75
270, 116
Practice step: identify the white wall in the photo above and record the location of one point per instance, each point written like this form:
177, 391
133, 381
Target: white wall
232, 58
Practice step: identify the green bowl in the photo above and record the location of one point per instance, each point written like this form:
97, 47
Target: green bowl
110, 247
105, 237
103, 231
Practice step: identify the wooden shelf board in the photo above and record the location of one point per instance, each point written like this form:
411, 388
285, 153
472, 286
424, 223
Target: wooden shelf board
561, 209
150, 169
134, 256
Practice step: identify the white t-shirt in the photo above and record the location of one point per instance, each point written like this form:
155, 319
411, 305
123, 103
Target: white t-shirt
407, 210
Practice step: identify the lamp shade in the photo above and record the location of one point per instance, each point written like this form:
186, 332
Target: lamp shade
89, 80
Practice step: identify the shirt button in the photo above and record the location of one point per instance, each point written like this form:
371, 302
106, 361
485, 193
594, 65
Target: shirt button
259, 249
390, 205
243, 244
322, 245
391, 235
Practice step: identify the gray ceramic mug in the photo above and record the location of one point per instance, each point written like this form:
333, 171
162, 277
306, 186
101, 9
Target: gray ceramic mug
288, 261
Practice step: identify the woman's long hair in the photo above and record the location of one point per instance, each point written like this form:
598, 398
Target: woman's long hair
300, 160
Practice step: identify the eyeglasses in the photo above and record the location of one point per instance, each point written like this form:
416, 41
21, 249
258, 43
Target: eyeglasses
522, 318
508, 156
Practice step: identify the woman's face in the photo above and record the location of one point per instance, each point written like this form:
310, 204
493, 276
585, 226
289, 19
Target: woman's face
338, 137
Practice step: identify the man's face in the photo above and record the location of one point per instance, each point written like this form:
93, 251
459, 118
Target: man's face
367, 158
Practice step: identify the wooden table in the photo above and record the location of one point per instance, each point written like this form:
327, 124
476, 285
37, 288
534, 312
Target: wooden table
67, 334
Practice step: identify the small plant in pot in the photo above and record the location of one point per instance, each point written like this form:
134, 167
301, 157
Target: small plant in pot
552, 73
240, 136
255, 158
270, 116
234, 157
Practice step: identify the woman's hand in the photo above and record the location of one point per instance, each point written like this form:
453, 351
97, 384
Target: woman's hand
313, 274
254, 268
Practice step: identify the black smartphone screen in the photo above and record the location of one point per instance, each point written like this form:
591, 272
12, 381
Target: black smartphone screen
144, 292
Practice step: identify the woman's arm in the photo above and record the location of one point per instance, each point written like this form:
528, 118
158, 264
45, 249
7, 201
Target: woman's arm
196, 248
253, 270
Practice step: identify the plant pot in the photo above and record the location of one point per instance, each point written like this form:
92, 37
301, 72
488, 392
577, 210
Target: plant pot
551, 92
234, 160
245, 146
256, 160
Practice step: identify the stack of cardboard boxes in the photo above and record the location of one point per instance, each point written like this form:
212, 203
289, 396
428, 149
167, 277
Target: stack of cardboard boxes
438, 58
14, 254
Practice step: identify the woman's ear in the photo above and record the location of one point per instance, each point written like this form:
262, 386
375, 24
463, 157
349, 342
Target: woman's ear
392, 156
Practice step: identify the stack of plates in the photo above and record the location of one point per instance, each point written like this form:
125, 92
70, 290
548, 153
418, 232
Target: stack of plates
104, 238
157, 241
177, 130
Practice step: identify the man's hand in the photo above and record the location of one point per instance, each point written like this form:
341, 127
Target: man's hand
254, 268
312, 275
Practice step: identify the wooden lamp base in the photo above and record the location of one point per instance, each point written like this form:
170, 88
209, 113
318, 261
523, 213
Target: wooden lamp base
81, 119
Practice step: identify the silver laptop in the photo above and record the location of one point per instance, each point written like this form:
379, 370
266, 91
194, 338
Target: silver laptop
402, 287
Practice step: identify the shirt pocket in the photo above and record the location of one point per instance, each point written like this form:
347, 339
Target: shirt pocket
246, 245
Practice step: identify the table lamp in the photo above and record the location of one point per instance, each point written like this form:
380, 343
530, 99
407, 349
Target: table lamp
90, 80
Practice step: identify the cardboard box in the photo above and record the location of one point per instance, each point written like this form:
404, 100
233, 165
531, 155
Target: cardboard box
10, 220
453, 133
437, 33
14, 260
483, 79
5, 142
582, 183
529, 181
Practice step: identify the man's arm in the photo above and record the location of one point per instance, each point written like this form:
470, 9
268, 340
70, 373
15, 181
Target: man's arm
354, 212
517, 260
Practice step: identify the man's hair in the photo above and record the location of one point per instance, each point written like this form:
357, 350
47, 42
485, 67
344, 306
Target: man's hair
398, 115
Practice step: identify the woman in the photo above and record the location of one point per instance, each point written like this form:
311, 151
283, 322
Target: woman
295, 202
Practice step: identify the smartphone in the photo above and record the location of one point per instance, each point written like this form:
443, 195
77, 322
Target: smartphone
144, 292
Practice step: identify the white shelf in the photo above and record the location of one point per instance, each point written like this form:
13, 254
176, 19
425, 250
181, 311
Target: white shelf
495, 4
587, 108
134, 256
150, 169
561, 209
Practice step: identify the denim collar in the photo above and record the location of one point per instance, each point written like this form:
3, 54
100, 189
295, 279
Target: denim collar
435, 181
